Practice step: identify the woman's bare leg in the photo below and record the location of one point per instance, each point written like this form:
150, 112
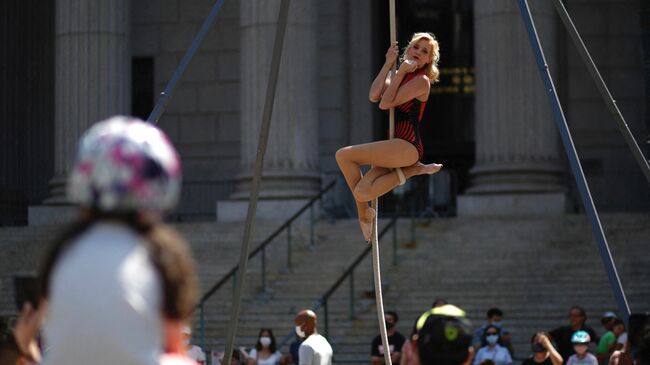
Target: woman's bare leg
390, 154
385, 180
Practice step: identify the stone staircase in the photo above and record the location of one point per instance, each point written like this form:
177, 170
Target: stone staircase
532, 268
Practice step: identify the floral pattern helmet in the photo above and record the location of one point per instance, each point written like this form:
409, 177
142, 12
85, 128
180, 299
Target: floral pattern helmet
580, 337
124, 164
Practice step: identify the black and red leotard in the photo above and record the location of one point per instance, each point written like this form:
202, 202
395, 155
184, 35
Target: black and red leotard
408, 117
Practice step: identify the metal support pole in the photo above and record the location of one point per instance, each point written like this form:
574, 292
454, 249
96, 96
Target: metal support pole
602, 87
576, 168
159, 108
257, 176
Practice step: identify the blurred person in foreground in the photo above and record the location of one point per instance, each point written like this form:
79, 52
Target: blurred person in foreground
119, 284
444, 337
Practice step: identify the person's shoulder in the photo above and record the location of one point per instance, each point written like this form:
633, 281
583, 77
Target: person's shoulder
399, 336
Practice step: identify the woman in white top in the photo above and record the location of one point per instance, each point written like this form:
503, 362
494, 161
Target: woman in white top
491, 349
265, 351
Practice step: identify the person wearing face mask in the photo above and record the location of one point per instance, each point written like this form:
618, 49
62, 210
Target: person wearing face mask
314, 350
494, 317
580, 341
265, 351
192, 351
395, 342
491, 349
543, 351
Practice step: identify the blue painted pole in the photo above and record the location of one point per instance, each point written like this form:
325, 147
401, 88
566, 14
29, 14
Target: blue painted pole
159, 108
574, 162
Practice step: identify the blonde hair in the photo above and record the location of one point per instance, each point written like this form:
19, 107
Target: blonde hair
431, 68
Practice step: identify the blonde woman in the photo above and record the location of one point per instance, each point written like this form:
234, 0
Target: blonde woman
395, 160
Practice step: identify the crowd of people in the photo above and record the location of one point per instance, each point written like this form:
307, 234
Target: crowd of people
577, 343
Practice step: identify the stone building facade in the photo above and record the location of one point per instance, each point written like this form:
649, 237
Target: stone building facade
488, 120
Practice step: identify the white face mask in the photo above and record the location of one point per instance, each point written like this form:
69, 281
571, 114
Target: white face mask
265, 341
300, 332
186, 342
492, 339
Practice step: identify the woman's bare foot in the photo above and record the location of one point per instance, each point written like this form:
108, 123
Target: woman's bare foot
430, 169
365, 221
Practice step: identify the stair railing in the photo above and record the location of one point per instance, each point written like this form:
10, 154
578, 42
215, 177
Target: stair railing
348, 273
261, 248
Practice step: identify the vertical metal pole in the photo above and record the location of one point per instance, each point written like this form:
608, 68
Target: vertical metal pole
289, 266
576, 168
312, 242
257, 176
159, 108
352, 295
604, 91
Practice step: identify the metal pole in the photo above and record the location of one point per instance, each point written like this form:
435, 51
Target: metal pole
576, 168
602, 87
159, 108
257, 175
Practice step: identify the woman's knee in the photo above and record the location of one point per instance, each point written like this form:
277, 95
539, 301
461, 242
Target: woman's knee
362, 193
343, 154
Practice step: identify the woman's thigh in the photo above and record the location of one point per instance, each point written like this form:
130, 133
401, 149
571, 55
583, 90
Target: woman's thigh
390, 153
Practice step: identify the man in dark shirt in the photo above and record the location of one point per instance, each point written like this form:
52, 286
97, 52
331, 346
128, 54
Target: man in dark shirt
562, 335
395, 341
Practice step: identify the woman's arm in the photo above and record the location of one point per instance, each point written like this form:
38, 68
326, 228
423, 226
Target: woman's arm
382, 80
396, 95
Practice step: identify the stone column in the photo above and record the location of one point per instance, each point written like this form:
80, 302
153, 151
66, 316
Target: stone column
518, 165
92, 79
291, 173
93, 75
291, 162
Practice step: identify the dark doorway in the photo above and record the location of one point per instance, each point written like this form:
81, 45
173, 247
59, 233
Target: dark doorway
26, 106
447, 128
